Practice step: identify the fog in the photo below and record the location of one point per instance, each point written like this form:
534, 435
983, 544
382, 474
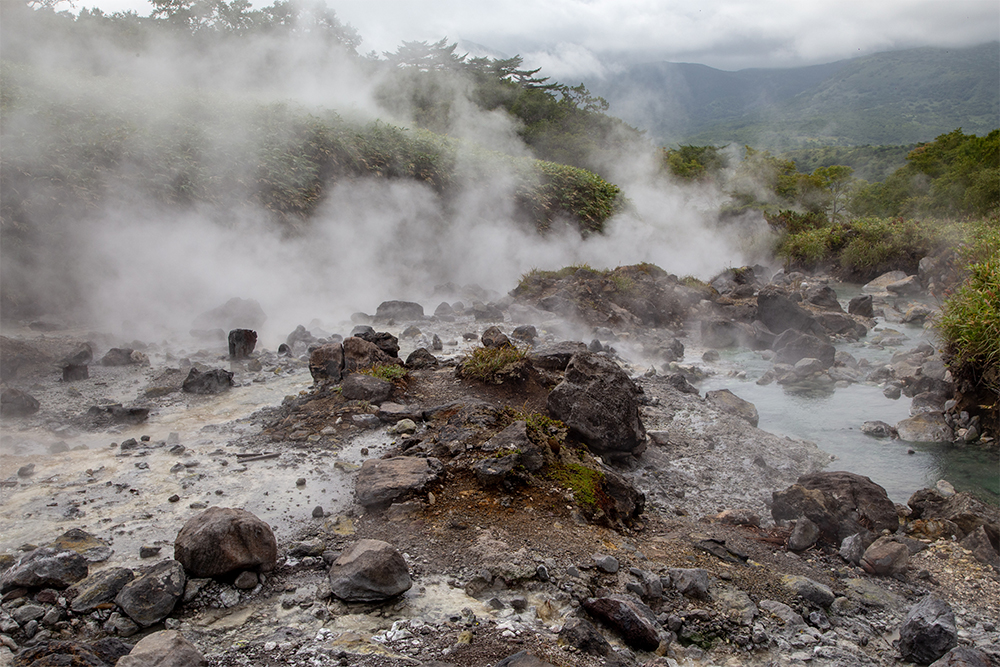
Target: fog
134, 264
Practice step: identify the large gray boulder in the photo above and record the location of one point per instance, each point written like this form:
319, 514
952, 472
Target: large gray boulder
361, 387
925, 427
150, 597
928, 632
17, 403
222, 540
839, 503
792, 346
360, 353
555, 356
167, 648
45, 567
212, 381
370, 571
326, 362
599, 403
384, 481
399, 311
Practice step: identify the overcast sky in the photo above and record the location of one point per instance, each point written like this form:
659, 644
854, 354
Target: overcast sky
583, 38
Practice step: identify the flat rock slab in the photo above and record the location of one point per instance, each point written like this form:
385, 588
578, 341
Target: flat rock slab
149, 598
729, 402
167, 648
383, 481
925, 427
633, 620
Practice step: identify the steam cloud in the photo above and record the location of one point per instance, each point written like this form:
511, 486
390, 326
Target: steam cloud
147, 268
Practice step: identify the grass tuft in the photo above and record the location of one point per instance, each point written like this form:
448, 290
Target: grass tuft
490, 364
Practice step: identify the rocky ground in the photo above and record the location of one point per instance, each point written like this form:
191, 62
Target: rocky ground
642, 529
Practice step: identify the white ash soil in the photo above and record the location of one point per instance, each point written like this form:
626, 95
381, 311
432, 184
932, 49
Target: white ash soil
712, 461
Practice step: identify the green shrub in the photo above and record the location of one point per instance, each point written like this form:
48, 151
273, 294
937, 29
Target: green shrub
393, 373
492, 364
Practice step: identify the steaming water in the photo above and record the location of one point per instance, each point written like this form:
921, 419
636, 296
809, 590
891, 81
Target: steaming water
833, 421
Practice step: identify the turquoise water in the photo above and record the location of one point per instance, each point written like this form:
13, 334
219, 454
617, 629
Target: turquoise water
833, 422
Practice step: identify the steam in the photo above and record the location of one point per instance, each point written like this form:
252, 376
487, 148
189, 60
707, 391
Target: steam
147, 267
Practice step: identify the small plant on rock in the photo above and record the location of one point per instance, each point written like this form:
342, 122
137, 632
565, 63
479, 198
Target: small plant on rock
393, 373
494, 365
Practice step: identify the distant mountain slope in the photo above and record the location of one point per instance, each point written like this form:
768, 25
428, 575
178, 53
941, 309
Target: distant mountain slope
897, 97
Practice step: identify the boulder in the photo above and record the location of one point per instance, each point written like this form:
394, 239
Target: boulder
925, 427
633, 620
493, 470
691, 582
555, 356
361, 387
117, 414
360, 353
878, 429
493, 337
982, 547
124, 356
791, 346
17, 403
74, 372
779, 313
421, 358
101, 653
581, 634
214, 381
879, 284
233, 314
99, 588
525, 332
823, 296
624, 501
94, 549
384, 481
842, 325
862, 306
45, 567
326, 363
804, 535
886, 557
599, 404
964, 656
167, 648
729, 402
839, 503
369, 571
399, 311
384, 340
807, 589
150, 597
907, 286
514, 438
241, 343
222, 540
928, 632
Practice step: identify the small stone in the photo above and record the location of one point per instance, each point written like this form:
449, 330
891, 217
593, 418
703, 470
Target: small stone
148, 552
174, 498
246, 580
318, 512
301, 481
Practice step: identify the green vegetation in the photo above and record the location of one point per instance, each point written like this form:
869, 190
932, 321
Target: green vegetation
970, 322
493, 365
954, 175
866, 247
694, 163
393, 373
585, 483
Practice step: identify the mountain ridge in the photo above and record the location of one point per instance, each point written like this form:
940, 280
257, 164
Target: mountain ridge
893, 97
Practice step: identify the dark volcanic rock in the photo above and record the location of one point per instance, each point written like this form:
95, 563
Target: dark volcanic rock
928, 632
74, 372
839, 503
150, 597
117, 414
720, 334
241, 343
779, 313
99, 588
400, 311
522, 659
213, 381
885, 557
633, 620
17, 403
581, 633
964, 656
861, 306
493, 337
326, 363
792, 346
384, 340
370, 571
51, 568
122, 356
824, 297
555, 356
221, 540
94, 549
383, 481
102, 653
360, 353
421, 358
599, 404
361, 387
